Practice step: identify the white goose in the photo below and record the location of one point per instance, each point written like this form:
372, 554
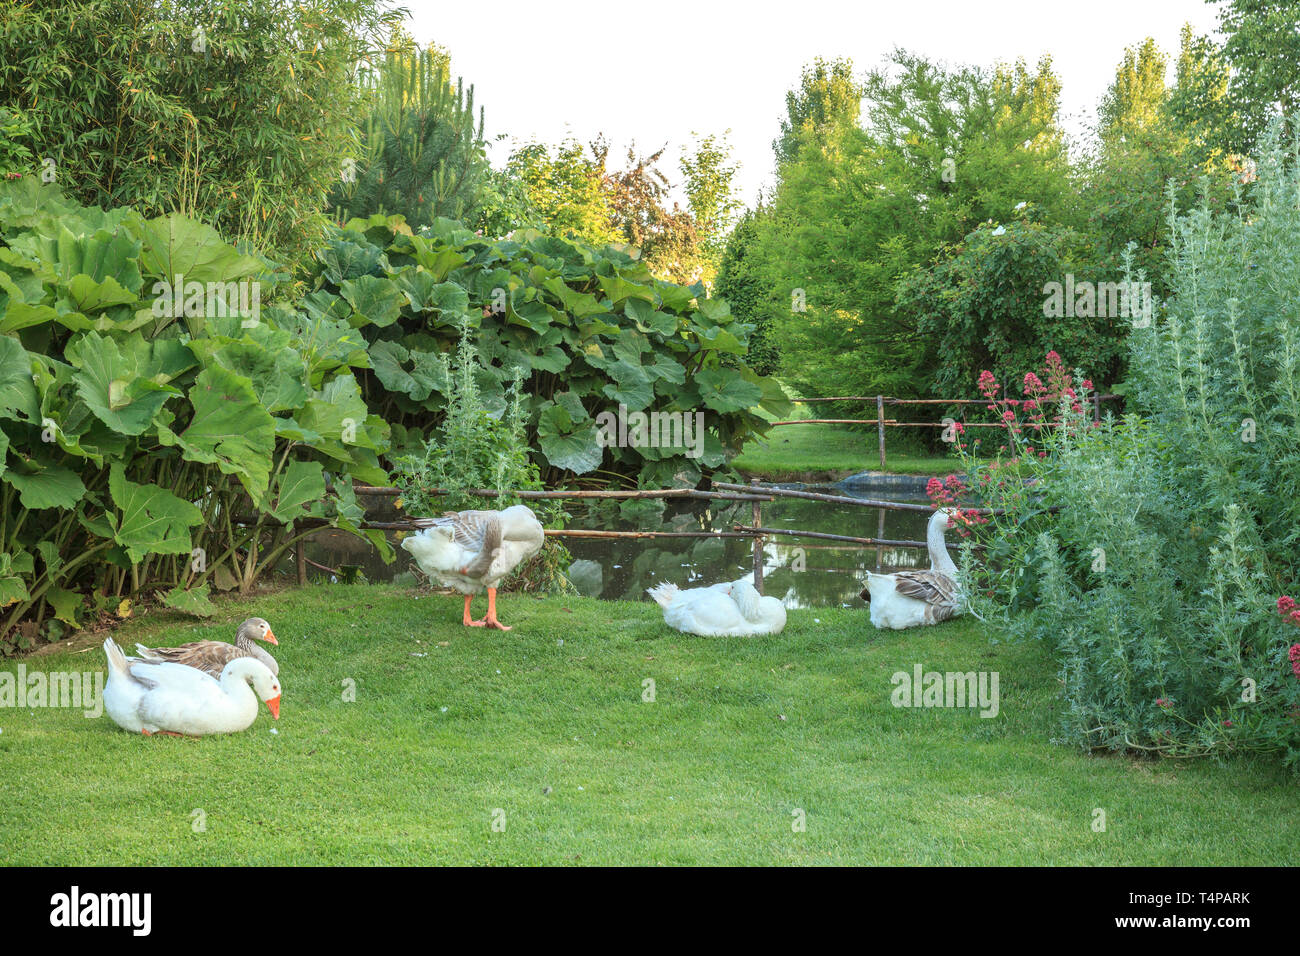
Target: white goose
473, 550
149, 698
912, 598
728, 609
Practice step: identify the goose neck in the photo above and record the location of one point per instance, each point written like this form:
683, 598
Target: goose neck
940, 560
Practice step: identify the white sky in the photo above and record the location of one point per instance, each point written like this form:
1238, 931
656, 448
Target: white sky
657, 70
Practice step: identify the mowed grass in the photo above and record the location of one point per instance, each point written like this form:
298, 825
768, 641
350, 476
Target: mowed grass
831, 452
545, 729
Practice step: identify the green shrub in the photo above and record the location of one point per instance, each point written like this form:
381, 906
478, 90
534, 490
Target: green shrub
1158, 581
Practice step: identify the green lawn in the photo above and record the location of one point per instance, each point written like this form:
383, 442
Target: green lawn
547, 724
822, 452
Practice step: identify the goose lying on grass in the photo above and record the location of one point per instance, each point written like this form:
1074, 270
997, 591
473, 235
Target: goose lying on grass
211, 657
150, 698
729, 609
912, 598
473, 550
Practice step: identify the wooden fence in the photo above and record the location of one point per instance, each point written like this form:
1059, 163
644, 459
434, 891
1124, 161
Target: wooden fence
881, 422
754, 492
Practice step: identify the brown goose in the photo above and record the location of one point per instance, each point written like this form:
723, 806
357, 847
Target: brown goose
913, 598
211, 657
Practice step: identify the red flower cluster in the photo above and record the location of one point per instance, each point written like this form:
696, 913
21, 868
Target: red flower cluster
1161, 702
1286, 606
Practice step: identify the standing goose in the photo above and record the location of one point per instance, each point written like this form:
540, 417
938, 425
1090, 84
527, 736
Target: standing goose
151, 698
211, 657
472, 550
912, 598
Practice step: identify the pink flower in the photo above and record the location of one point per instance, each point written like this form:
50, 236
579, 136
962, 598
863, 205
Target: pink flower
1161, 702
1285, 604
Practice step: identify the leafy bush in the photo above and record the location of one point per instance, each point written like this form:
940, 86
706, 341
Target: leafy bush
472, 449
238, 113
158, 443
982, 306
583, 329
1178, 525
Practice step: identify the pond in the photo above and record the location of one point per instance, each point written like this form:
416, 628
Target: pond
802, 572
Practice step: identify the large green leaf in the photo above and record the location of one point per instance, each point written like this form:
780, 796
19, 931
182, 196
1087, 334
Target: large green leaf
413, 373
112, 385
176, 246
374, 300
193, 601
723, 390
18, 398
566, 445
631, 385
43, 485
279, 376
231, 429
150, 519
303, 482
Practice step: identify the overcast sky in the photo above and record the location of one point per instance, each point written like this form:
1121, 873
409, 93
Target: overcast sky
657, 70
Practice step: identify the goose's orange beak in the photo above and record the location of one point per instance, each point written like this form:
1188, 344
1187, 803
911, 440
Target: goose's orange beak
270, 638
273, 705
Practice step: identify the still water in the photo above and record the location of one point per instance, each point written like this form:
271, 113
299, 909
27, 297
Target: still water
802, 572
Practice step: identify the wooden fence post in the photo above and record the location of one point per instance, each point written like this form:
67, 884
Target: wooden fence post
1096, 406
758, 541
300, 547
880, 427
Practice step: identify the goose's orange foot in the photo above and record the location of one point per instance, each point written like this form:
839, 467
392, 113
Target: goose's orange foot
465, 618
491, 619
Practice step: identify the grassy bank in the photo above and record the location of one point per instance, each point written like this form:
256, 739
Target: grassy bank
828, 453
547, 724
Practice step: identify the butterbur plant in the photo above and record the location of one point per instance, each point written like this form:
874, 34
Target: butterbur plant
473, 449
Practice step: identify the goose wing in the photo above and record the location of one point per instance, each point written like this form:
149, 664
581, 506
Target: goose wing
211, 657
475, 532
937, 591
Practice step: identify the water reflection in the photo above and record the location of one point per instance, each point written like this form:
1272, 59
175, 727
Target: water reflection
802, 572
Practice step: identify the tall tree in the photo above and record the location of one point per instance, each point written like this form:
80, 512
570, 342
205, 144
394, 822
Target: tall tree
1136, 98
566, 189
422, 149
939, 150
1262, 42
828, 97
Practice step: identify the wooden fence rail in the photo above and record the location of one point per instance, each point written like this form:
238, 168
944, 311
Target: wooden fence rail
754, 492
881, 422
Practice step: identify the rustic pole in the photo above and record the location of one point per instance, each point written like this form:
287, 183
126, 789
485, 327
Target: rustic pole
880, 427
758, 540
880, 533
1096, 406
301, 548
